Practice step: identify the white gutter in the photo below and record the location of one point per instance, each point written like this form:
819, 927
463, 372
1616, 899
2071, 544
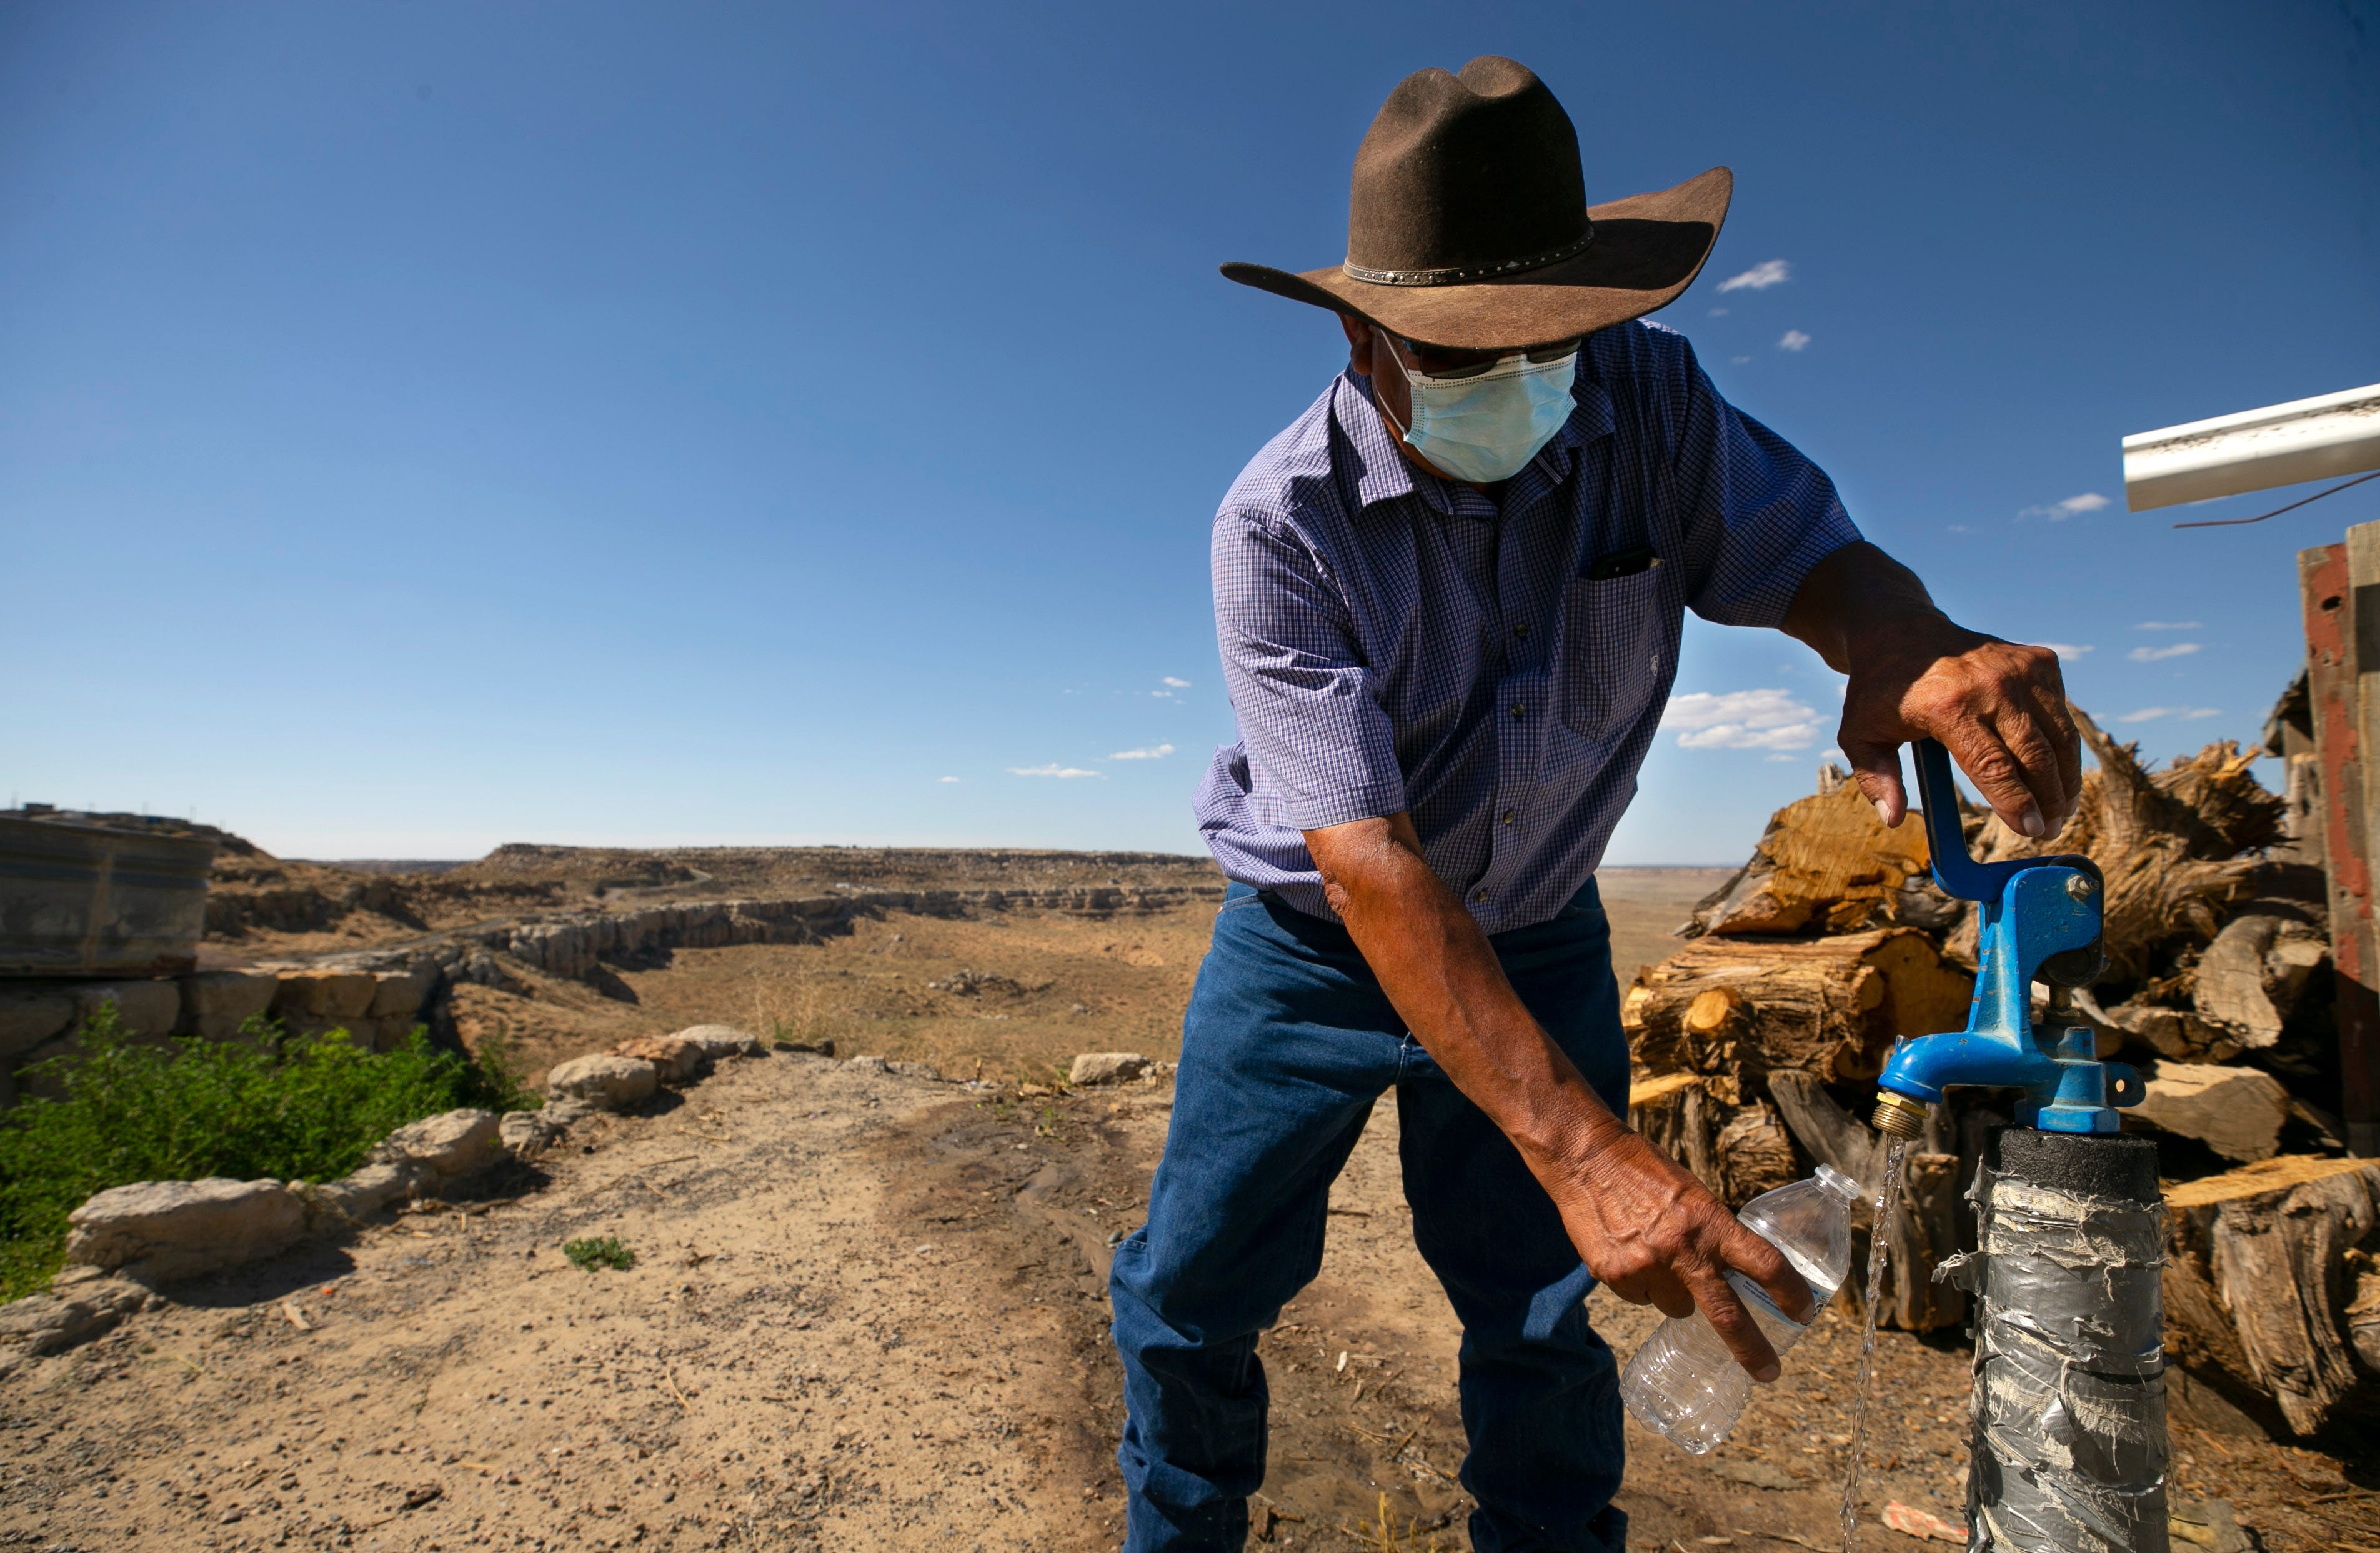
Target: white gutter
2254, 449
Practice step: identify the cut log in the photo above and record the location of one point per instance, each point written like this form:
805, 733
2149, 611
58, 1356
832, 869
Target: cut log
1674, 1115
1740, 1008
2235, 1111
2252, 975
1827, 865
2271, 1240
1925, 1232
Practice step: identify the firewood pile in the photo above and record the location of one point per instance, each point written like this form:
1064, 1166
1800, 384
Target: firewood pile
1756, 1047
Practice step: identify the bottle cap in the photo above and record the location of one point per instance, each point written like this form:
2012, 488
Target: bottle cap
1842, 1185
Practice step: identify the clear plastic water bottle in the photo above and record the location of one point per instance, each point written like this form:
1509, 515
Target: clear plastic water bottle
1683, 1382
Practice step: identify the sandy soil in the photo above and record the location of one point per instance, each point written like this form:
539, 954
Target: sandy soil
867, 1312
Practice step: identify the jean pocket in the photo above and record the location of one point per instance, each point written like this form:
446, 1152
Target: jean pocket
1616, 652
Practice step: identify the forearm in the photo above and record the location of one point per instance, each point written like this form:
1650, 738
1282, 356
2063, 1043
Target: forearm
1441, 974
1853, 593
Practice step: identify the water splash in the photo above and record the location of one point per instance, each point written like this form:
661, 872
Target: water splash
1888, 1203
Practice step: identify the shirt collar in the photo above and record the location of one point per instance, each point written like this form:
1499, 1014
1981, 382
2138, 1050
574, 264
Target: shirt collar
1383, 474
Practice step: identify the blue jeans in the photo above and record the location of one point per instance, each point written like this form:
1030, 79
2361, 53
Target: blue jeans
1288, 1042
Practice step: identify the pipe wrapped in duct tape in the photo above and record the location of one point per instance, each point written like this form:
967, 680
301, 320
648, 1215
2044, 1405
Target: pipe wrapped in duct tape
2069, 1402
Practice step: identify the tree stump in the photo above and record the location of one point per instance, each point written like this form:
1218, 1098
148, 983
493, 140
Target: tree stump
2258, 1281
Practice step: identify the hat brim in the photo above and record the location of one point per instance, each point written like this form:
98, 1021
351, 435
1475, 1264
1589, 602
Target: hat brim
1647, 248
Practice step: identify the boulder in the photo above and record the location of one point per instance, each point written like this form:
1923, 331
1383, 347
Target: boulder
450, 1146
147, 1009
319, 995
74, 1310
677, 1059
1106, 1067
175, 1229
363, 1193
723, 1041
216, 1003
30, 1015
400, 994
604, 1081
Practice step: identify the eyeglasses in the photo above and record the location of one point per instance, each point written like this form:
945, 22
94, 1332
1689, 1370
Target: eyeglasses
1431, 361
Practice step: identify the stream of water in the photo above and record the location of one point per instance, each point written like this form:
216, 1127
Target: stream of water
1887, 1203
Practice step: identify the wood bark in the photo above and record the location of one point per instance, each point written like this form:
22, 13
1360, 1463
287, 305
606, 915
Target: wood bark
2271, 1242
1828, 865
1737, 1151
1926, 1229
1738, 1009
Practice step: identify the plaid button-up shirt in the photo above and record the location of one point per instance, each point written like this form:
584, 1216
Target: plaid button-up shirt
1393, 641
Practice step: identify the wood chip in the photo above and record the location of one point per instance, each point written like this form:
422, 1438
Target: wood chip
296, 1316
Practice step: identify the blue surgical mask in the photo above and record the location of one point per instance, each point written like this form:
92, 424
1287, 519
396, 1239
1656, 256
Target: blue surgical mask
1487, 426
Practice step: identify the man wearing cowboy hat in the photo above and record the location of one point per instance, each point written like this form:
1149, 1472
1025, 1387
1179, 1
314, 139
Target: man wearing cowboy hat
1449, 598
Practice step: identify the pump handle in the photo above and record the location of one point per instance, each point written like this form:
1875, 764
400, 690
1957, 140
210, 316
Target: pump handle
1946, 842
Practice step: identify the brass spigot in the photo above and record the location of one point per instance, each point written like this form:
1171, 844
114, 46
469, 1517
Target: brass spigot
1897, 1116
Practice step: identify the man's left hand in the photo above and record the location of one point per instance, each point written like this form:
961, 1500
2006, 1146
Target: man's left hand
1999, 707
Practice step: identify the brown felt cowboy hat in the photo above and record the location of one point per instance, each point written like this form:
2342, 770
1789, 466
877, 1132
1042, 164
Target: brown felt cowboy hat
1468, 226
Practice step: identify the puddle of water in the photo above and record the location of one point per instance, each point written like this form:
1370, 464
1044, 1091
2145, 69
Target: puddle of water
1888, 1203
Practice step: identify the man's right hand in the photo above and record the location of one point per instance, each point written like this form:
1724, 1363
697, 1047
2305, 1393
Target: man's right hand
1641, 1223
1650, 1232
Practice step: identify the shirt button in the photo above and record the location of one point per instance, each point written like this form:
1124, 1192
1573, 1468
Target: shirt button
1520, 711
1510, 814
1521, 632
1477, 896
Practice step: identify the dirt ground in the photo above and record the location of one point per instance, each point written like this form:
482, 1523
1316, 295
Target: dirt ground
868, 1311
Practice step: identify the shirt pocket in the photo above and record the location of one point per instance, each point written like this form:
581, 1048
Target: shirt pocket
1614, 653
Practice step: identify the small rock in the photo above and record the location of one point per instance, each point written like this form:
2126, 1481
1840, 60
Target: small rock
528, 1133
361, 1193
173, 1228
1081, 1008
607, 1082
450, 1146
1106, 1067
914, 1070
1757, 1473
74, 1311
677, 1059
723, 1041
865, 1065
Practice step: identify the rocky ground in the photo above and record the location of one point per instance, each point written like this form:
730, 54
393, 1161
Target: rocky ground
868, 1311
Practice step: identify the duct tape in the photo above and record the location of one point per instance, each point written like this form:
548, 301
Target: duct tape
2070, 1371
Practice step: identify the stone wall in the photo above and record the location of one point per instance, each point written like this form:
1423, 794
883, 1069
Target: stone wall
379, 995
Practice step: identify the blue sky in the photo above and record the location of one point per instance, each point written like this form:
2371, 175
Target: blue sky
430, 425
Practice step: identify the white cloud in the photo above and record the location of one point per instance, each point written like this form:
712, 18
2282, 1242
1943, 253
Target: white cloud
1153, 752
1176, 683
1053, 769
2188, 714
2157, 654
2169, 625
2065, 649
1793, 340
1739, 360
1718, 312
1742, 719
2059, 512
949, 779
1760, 277
1959, 529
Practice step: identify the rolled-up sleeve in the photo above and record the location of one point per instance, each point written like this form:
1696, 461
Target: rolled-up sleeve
1757, 514
1320, 747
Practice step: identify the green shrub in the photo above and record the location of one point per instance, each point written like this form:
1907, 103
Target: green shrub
605, 1253
307, 1107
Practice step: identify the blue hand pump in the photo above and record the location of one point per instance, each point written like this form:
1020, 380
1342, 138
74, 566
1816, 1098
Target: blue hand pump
2041, 922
